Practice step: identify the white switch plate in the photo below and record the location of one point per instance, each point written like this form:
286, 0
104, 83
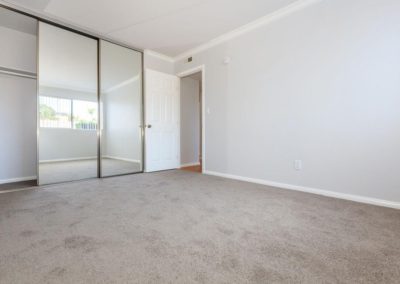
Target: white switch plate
208, 110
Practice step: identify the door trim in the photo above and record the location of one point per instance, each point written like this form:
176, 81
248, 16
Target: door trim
202, 69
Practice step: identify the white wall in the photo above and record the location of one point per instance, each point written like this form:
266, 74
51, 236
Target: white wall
66, 144
17, 100
18, 128
158, 64
18, 50
190, 121
320, 85
122, 132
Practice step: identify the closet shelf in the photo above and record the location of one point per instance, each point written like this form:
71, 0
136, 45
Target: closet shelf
15, 72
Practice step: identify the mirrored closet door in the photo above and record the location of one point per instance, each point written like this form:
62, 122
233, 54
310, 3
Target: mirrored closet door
121, 110
67, 106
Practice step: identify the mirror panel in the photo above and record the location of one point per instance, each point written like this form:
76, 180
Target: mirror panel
121, 110
67, 106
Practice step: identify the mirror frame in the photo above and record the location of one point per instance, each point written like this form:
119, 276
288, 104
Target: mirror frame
142, 132
97, 37
95, 94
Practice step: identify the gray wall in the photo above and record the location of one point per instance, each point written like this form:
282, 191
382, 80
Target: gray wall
17, 99
157, 64
320, 85
18, 49
18, 128
190, 121
122, 113
66, 144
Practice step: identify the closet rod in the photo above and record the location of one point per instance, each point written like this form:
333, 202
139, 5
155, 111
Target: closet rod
19, 73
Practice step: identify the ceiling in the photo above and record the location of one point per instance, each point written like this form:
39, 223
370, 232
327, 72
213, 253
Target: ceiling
168, 27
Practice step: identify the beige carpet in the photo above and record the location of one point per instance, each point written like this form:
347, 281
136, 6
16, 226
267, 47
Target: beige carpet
182, 227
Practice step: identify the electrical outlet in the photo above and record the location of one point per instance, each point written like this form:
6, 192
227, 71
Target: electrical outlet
298, 165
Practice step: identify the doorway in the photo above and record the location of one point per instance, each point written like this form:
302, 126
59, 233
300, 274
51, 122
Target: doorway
191, 123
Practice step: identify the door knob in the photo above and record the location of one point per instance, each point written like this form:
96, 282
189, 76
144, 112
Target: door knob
148, 125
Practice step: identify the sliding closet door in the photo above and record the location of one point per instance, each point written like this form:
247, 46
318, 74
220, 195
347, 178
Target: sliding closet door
121, 110
18, 35
67, 106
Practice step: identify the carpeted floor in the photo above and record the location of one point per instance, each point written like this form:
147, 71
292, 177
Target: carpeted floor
56, 172
183, 227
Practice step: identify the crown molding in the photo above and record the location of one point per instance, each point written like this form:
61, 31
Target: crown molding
269, 18
158, 55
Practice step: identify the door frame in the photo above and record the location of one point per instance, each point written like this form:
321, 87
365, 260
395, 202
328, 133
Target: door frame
191, 71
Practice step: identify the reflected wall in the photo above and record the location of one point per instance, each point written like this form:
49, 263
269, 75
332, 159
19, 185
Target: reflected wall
121, 110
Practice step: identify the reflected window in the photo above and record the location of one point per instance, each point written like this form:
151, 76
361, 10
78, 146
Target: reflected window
55, 112
67, 113
84, 115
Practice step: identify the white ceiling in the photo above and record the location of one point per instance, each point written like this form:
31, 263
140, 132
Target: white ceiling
170, 27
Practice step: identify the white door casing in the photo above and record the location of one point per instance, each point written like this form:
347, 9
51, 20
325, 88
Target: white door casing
162, 121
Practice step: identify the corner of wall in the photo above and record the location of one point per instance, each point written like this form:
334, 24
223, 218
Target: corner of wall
158, 62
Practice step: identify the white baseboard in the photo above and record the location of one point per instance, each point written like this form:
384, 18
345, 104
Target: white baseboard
68, 160
19, 179
351, 197
190, 164
122, 159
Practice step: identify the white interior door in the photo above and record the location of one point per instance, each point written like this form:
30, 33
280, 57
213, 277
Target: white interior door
162, 117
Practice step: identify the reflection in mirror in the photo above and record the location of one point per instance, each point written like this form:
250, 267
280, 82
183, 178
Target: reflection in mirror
121, 107
67, 105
